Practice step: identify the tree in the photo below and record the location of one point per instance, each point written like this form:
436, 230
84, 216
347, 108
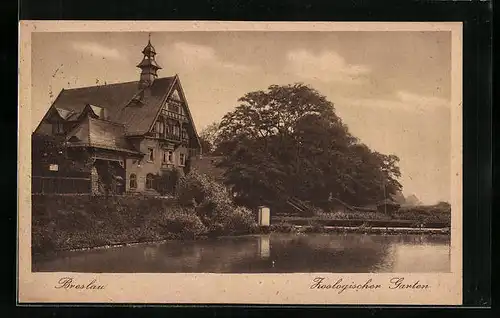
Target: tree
47, 150
289, 142
208, 137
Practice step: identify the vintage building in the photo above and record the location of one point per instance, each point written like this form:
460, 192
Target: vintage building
140, 129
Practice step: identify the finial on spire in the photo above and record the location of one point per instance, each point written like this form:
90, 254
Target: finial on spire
149, 37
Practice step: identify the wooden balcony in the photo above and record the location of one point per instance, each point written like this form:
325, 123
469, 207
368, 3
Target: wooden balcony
174, 115
167, 137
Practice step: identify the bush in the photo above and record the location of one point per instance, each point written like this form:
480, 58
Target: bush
423, 215
182, 223
214, 205
166, 183
353, 215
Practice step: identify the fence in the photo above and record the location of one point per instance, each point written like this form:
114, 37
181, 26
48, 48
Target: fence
59, 185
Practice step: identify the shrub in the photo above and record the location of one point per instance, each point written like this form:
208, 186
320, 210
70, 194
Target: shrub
182, 223
214, 205
426, 214
353, 215
166, 182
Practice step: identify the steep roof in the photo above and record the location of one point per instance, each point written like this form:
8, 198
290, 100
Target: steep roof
116, 100
98, 133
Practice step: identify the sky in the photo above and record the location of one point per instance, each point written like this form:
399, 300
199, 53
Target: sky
392, 89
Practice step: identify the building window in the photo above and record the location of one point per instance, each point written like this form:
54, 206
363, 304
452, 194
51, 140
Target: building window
160, 127
182, 159
57, 128
176, 130
133, 181
167, 156
151, 154
184, 134
149, 181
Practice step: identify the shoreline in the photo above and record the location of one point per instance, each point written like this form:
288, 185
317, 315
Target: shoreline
294, 229
373, 230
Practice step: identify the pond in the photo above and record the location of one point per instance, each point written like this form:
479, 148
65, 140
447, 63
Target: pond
271, 253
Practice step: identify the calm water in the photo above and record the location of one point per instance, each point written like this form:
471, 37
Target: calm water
274, 253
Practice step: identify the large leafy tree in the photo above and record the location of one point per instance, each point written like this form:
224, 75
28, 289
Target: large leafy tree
46, 150
289, 142
208, 138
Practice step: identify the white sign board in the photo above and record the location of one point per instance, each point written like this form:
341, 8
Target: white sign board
54, 167
264, 216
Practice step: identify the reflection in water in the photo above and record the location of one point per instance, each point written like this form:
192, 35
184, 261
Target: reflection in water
264, 246
271, 253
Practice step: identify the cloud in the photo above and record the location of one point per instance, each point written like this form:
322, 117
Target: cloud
97, 50
422, 102
327, 66
402, 100
198, 55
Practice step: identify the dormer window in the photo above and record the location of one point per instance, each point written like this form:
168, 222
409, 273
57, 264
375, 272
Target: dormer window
57, 128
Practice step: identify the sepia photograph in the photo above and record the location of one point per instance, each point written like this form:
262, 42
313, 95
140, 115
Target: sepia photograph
247, 152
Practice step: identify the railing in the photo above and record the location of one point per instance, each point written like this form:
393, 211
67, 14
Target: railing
298, 205
172, 137
57, 185
174, 115
167, 136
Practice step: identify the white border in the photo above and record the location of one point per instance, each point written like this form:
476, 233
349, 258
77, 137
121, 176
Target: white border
231, 288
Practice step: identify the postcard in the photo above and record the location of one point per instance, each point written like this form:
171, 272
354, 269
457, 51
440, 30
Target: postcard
168, 162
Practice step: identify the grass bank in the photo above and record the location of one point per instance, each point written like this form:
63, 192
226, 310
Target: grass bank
201, 209
73, 222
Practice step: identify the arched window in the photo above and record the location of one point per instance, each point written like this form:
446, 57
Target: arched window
133, 181
149, 181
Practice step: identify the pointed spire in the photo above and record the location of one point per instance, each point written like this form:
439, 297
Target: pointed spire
148, 65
